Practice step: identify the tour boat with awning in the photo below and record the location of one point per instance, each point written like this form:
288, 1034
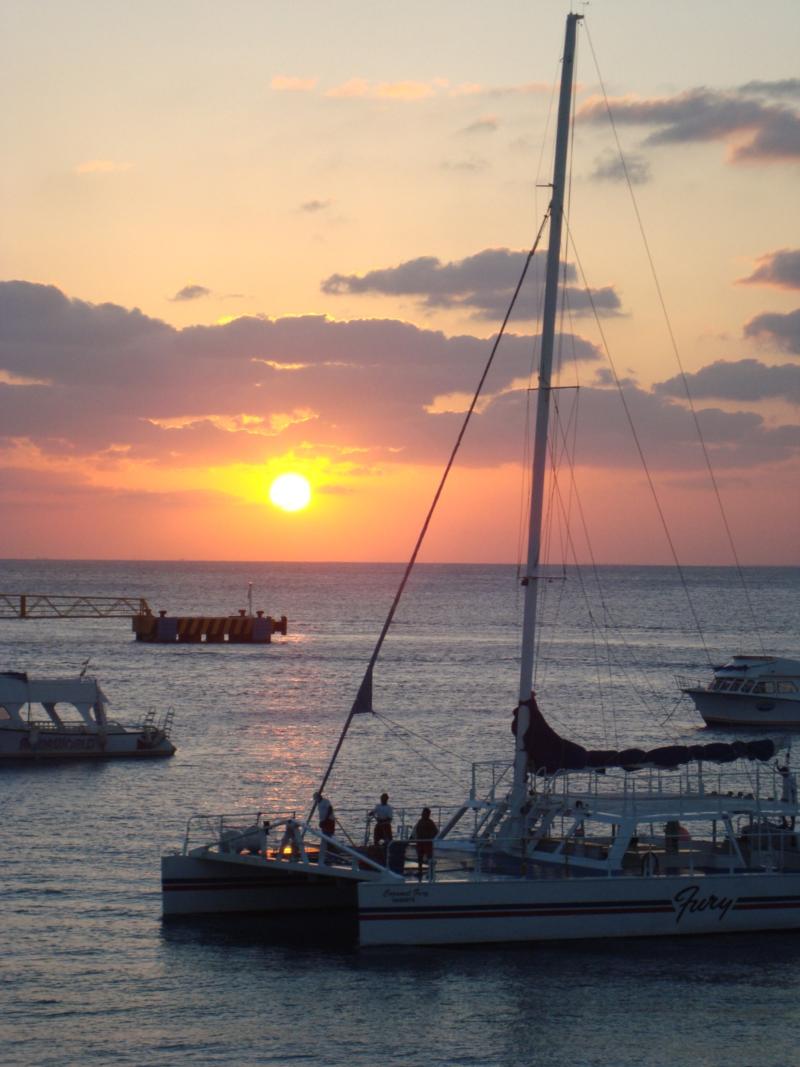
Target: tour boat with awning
67, 718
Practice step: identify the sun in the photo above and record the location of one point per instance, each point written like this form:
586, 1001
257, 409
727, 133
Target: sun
291, 492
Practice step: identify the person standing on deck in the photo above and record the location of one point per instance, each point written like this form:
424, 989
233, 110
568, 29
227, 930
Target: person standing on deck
424, 833
327, 822
288, 848
382, 814
788, 791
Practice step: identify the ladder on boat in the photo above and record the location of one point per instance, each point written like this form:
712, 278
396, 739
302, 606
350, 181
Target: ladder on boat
150, 724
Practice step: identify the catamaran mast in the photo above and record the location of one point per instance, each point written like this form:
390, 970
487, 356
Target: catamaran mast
519, 791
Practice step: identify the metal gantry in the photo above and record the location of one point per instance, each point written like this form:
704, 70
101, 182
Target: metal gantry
46, 606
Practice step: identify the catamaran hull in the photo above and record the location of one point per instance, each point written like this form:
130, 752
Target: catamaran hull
200, 886
457, 913
52, 744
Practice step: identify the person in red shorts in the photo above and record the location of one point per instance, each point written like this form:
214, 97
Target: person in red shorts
424, 833
327, 823
382, 814
327, 820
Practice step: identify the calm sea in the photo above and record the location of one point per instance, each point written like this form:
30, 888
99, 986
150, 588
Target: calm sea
91, 975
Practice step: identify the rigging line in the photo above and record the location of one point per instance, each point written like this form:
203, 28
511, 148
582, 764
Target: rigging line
545, 135
421, 737
610, 623
526, 477
570, 452
420, 755
676, 352
640, 451
524, 481
558, 447
574, 494
554, 452
675, 707
594, 567
525, 487
363, 700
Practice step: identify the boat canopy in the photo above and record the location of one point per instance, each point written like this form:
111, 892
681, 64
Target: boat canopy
17, 688
549, 753
761, 665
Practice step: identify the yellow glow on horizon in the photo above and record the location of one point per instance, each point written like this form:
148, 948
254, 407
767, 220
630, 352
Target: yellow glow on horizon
290, 492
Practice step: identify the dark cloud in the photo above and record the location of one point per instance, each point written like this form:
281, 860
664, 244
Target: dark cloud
313, 206
45, 335
191, 292
473, 165
488, 124
781, 330
482, 284
781, 269
610, 167
50, 490
773, 131
124, 385
665, 429
117, 378
784, 87
746, 380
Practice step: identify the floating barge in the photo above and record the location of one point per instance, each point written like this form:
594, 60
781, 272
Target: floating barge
241, 629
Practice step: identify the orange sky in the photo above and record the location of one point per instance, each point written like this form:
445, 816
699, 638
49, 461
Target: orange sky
272, 253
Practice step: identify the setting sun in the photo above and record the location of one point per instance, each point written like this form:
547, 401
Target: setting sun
291, 492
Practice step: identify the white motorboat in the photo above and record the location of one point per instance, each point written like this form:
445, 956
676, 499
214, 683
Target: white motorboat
66, 718
761, 691
557, 842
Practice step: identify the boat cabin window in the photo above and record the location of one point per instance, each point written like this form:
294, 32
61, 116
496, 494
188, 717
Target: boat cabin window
4, 713
747, 686
787, 687
764, 687
735, 685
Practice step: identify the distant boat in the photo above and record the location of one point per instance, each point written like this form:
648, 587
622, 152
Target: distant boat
761, 691
66, 718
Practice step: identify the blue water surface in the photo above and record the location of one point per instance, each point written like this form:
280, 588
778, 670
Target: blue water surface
91, 975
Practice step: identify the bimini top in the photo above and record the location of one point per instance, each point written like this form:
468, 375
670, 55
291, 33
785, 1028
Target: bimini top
549, 753
758, 666
16, 688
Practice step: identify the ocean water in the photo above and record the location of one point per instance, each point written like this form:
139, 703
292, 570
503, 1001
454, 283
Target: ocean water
91, 975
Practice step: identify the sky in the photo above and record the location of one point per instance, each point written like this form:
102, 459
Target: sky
245, 239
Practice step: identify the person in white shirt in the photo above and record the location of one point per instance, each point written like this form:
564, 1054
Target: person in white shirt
327, 822
382, 814
288, 848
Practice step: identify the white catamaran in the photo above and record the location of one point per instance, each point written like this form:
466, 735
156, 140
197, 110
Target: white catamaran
683, 839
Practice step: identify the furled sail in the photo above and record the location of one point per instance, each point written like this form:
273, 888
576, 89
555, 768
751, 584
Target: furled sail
548, 752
